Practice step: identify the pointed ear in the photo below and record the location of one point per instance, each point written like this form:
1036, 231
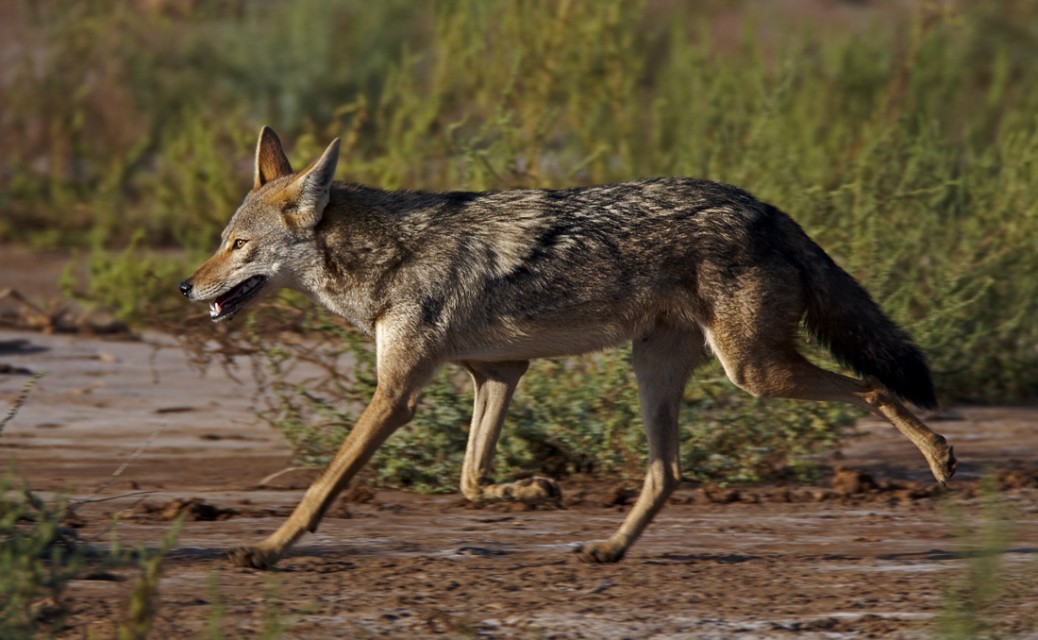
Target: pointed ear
271, 161
313, 188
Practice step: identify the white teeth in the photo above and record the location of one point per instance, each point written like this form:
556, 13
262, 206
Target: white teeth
214, 309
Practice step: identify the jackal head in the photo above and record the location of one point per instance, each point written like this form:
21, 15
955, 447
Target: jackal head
261, 246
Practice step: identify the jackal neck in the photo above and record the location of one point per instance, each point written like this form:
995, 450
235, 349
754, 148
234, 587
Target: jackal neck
358, 248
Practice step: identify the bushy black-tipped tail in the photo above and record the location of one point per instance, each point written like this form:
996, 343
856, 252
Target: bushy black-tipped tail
843, 318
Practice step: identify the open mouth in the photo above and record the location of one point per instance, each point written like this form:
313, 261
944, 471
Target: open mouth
231, 302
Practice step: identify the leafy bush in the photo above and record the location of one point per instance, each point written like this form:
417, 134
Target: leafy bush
133, 283
37, 558
37, 561
990, 596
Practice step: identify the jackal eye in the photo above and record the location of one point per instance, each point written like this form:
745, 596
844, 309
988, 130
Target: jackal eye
239, 243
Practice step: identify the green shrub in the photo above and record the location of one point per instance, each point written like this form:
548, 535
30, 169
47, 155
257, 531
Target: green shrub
37, 561
992, 596
37, 557
134, 283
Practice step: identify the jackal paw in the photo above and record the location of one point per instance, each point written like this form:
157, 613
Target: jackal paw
253, 557
600, 552
535, 490
943, 462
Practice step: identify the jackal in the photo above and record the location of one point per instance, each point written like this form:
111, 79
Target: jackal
489, 281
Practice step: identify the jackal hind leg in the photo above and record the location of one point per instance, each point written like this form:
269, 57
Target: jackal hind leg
663, 361
494, 384
399, 382
768, 366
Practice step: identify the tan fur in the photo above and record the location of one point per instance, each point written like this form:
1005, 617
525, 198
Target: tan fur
490, 281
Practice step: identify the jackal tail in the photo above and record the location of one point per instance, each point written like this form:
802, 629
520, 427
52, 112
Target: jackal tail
843, 318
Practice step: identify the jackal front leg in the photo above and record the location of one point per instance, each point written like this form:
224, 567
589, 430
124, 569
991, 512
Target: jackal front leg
391, 407
495, 384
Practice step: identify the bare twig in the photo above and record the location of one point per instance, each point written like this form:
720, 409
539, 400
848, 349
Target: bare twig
20, 400
277, 474
78, 503
133, 457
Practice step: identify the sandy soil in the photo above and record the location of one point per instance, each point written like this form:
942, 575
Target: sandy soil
872, 553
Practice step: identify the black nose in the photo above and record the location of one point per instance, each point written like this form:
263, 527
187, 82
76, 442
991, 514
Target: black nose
185, 288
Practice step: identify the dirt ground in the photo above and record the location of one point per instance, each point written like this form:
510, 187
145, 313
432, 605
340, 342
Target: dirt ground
136, 437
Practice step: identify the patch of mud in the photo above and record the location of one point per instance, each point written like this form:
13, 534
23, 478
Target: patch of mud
190, 509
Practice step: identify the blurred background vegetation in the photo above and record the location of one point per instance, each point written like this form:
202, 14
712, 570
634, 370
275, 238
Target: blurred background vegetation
902, 135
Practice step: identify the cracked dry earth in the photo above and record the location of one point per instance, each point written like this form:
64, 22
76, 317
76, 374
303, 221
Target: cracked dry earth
873, 552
